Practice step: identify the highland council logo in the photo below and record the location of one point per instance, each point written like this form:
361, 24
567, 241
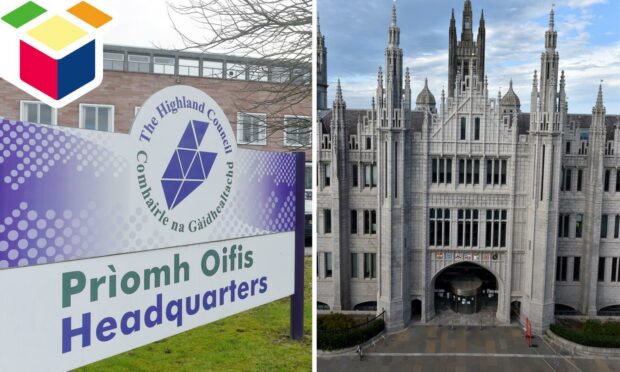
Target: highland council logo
53, 48
188, 187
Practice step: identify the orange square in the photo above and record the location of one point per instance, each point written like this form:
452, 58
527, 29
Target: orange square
90, 14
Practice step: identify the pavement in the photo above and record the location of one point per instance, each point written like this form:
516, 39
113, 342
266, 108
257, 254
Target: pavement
473, 348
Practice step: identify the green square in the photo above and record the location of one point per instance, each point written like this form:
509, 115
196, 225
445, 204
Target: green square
23, 14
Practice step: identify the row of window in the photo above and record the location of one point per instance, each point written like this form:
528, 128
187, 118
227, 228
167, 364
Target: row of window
251, 128
369, 265
607, 180
561, 268
614, 272
564, 225
605, 219
468, 228
369, 175
369, 221
463, 130
469, 171
201, 68
583, 148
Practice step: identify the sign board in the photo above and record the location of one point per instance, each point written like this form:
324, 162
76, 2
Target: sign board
112, 241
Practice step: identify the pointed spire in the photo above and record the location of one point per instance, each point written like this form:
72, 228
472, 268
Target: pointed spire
551, 18
535, 80
407, 78
380, 77
394, 13
599, 98
318, 25
339, 92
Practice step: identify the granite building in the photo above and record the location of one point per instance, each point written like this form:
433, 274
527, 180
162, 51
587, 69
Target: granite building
412, 195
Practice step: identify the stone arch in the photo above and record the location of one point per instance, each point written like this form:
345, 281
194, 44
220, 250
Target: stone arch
503, 311
610, 310
366, 306
562, 309
322, 306
416, 309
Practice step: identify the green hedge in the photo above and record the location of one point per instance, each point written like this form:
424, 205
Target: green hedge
593, 334
333, 338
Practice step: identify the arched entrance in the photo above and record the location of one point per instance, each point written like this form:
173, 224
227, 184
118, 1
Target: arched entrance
465, 293
515, 311
416, 310
366, 306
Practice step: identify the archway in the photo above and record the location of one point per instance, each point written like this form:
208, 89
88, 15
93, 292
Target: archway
416, 310
465, 292
366, 306
561, 309
613, 310
322, 306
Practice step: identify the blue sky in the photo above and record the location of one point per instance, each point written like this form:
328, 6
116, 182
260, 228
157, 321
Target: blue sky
588, 44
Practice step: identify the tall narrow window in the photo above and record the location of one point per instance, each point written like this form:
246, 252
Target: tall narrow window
579, 179
448, 171
373, 221
489, 172
617, 227
477, 129
618, 180
353, 265
560, 270
354, 176
615, 270
461, 171
463, 128
504, 170
578, 225
327, 219
328, 264
439, 227
375, 175
607, 176
367, 175
568, 147
370, 265
467, 228
353, 221
604, 223
569, 179
542, 173
434, 170
328, 174
395, 182
576, 268
441, 177
601, 269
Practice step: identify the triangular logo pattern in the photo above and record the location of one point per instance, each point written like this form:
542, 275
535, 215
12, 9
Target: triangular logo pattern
188, 168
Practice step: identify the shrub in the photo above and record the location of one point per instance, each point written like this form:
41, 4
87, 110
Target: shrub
335, 331
593, 334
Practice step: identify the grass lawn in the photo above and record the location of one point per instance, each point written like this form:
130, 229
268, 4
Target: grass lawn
256, 340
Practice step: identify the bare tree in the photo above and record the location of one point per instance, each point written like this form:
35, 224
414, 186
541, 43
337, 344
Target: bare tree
277, 36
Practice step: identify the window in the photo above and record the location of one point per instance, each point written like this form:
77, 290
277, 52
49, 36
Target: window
477, 129
618, 180
308, 177
163, 65
607, 176
617, 227
189, 67
576, 268
370, 222
463, 128
297, 131
496, 171
368, 143
212, 69
328, 264
354, 176
370, 175
560, 269
439, 227
252, 128
235, 71
353, 221
601, 269
467, 232
280, 74
97, 117
327, 221
137, 63
604, 223
37, 112
615, 270
579, 179
567, 178
370, 261
354, 265
327, 171
563, 229
258, 73
568, 147
114, 61
441, 171
496, 228
578, 225
469, 171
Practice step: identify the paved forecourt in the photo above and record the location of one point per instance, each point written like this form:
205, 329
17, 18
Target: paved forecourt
436, 348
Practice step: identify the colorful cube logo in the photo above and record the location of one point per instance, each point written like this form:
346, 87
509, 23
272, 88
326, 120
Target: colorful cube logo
57, 54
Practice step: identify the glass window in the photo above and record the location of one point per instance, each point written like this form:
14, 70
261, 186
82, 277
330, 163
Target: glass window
477, 129
280, 74
467, 228
189, 67
568, 147
137, 63
354, 176
604, 223
297, 131
212, 69
328, 264
258, 73
235, 71
308, 177
327, 219
601, 269
163, 65
439, 227
579, 179
578, 225
328, 174
606, 181
114, 61
617, 227
370, 261
354, 265
353, 221
97, 117
252, 128
576, 268
560, 269
37, 112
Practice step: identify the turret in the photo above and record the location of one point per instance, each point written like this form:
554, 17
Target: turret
321, 70
425, 100
393, 64
510, 102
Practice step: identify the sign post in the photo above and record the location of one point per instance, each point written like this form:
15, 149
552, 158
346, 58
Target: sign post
297, 300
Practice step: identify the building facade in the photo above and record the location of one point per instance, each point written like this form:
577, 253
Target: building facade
243, 87
411, 195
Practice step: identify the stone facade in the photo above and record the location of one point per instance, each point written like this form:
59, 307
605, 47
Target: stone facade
404, 194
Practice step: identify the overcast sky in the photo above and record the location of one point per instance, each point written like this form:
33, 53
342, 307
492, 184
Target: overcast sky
588, 44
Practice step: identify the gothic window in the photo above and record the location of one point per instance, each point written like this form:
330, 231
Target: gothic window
353, 142
496, 172
601, 269
463, 128
477, 129
615, 270
469, 171
327, 221
368, 143
604, 223
579, 179
353, 221
354, 175
370, 263
609, 150
370, 222
618, 180
563, 226
328, 264
583, 149
568, 147
578, 225
496, 228
467, 228
617, 227
561, 268
576, 268
370, 175
327, 168
439, 227
441, 171
607, 177
567, 179
353, 265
